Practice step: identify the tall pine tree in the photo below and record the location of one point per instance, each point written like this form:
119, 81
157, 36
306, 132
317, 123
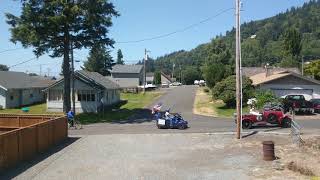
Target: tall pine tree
120, 57
52, 26
99, 60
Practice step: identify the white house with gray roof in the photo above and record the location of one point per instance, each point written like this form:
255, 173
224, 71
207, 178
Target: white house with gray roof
93, 93
18, 89
127, 76
286, 83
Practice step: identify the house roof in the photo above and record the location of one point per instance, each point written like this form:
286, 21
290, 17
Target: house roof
167, 77
250, 71
261, 78
98, 79
149, 74
118, 68
91, 78
21, 80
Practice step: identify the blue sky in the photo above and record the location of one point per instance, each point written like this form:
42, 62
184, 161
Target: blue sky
142, 19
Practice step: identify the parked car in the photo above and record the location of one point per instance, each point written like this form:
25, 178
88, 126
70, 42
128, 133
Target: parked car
297, 103
202, 83
271, 116
165, 85
175, 84
316, 105
196, 82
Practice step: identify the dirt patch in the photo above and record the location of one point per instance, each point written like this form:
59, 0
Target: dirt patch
293, 166
203, 104
300, 161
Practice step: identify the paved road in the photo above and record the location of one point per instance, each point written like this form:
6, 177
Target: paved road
181, 100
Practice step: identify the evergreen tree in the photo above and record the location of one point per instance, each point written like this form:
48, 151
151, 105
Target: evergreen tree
4, 67
292, 42
52, 26
157, 77
120, 57
292, 48
99, 60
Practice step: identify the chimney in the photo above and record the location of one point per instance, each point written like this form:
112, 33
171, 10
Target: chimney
268, 70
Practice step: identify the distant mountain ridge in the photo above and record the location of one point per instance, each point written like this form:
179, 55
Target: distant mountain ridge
266, 47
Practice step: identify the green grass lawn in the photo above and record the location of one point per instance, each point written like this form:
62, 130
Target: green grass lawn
33, 109
132, 104
224, 111
204, 105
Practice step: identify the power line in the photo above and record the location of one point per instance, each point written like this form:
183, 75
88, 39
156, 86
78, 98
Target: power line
6, 50
177, 31
22, 62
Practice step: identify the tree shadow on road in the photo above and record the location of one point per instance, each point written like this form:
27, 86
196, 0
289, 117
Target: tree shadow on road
25, 165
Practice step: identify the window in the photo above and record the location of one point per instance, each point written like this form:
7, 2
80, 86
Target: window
55, 95
11, 97
31, 95
86, 95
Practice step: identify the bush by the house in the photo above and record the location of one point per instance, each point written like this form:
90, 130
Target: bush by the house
265, 96
226, 90
157, 77
206, 90
189, 74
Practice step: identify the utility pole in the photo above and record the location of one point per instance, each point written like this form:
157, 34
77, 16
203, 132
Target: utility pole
238, 74
302, 66
40, 70
48, 69
173, 65
144, 70
180, 75
72, 80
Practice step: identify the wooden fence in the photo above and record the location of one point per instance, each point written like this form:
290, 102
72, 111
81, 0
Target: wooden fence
26, 136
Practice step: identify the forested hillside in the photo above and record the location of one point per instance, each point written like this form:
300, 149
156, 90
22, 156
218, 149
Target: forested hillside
281, 40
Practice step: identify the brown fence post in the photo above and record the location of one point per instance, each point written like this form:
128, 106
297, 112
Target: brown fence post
19, 121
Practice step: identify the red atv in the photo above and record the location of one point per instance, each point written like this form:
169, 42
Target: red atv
269, 117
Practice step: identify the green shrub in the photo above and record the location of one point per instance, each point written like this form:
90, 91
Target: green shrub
206, 90
226, 90
264, 96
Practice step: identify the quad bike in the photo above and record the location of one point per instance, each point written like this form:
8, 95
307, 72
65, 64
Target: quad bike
168, 120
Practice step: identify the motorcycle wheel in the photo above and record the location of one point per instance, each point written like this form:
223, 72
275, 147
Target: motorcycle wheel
181, 126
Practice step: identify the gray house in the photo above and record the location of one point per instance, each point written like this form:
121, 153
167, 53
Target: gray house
19, 89
164, 78
127, 76
287, 82
93, 92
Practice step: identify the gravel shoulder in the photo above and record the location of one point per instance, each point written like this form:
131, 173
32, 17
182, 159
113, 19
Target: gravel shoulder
161, 156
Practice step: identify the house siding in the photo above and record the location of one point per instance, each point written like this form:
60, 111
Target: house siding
23, 97
164, 79
2, 98
315, 88
138, 76
84, 106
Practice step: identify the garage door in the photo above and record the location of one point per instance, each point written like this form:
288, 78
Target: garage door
283, 92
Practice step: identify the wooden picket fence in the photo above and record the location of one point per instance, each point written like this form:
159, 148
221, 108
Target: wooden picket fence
23, 137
